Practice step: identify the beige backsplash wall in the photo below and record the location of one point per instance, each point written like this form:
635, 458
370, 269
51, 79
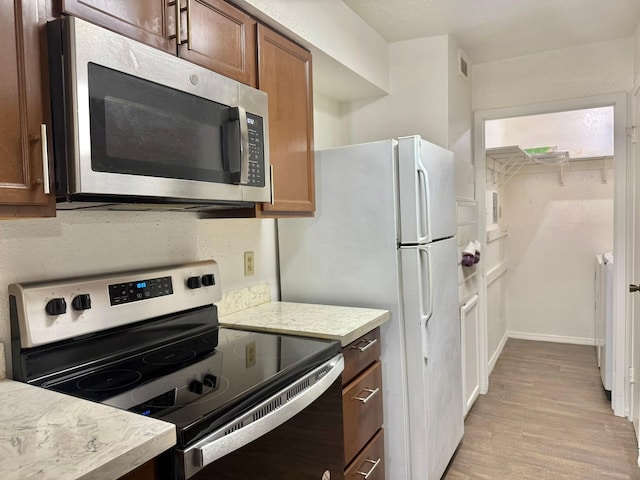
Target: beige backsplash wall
80, 243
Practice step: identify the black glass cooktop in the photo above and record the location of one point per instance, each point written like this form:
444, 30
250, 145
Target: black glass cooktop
198, 377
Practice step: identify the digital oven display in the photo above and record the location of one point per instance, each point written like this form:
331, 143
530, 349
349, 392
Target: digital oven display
120, 293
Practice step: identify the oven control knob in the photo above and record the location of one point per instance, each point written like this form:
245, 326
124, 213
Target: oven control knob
194, 282
210, 380
196, 386
81, 302
208, 280
56, 306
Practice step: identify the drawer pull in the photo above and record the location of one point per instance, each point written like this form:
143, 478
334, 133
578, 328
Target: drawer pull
368, 343
368, 397
373, 467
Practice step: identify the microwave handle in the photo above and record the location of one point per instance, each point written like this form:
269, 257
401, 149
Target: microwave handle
239, 114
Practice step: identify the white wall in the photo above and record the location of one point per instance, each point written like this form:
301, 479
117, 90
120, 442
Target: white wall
418, 98
79, 243
636, 50
583, 133
497, 320
554, 233
334, 32
595, 69
326, 122
459, 106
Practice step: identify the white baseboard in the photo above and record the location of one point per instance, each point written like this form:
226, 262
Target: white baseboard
540, 337
496, 355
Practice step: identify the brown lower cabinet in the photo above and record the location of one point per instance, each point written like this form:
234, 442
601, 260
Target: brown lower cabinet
147, 471
369, 463
362, 405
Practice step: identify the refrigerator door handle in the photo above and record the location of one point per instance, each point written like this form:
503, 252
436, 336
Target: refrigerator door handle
424, 201
426, 311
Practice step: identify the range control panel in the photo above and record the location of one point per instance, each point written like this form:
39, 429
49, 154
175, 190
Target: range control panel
140, 290
56, 310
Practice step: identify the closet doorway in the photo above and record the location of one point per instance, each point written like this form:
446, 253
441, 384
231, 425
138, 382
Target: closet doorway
551, 179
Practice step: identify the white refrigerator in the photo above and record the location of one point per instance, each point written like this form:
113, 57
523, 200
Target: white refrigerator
383, 236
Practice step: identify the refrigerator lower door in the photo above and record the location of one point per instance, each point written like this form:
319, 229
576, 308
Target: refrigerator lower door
433, 355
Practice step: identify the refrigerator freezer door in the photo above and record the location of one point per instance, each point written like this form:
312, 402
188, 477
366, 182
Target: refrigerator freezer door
427, 191
433, 356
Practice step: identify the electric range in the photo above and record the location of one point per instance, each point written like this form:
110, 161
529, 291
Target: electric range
149, 341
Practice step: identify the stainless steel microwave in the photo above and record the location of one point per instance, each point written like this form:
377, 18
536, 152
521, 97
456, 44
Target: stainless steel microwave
137, 128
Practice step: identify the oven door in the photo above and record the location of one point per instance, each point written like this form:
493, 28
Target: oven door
296, 433
141, 122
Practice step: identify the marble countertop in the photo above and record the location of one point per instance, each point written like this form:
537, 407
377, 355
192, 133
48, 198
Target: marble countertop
49, 435
346, 324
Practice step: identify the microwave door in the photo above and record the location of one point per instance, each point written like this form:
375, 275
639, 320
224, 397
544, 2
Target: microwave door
146, 139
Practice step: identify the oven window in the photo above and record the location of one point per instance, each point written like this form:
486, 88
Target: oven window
143, 128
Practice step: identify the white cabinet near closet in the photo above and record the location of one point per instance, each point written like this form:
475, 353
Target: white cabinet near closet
470, 352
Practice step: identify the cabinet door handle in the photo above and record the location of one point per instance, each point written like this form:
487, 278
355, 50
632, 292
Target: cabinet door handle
273, 190
374, 465
368, 344
45, 159
372, 393
176, 3
189, 24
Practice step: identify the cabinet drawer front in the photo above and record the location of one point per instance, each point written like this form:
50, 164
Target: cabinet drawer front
362, 410
370, 463
360, 354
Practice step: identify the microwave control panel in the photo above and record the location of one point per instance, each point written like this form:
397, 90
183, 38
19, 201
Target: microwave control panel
256, 151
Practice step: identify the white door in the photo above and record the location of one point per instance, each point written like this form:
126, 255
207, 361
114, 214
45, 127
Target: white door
470, 348
635, 387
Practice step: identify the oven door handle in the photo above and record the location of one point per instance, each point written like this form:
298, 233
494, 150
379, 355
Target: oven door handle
263, 418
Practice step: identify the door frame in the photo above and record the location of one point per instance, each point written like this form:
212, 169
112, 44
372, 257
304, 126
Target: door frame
622, 226
634, 154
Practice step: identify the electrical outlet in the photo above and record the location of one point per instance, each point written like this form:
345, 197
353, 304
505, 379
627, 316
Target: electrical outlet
249, 264
250, 354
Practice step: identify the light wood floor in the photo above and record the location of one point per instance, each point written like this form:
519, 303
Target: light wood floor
545, 417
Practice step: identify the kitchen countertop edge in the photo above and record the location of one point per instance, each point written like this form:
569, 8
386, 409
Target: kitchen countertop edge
50, 435
345, 324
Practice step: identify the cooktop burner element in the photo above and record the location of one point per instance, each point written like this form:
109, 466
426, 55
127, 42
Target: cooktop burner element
109, 380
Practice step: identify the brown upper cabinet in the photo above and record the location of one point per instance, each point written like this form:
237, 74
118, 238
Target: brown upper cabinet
284, 72
148, 21
219, 37
24, 165
213, 33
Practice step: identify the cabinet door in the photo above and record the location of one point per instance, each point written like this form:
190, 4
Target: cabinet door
148, 21
147, 471
284, 73
22, 182
370, 461
219, 37
470, 352
362, 410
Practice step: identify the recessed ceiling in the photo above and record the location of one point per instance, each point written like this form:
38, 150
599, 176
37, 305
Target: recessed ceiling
496, 29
